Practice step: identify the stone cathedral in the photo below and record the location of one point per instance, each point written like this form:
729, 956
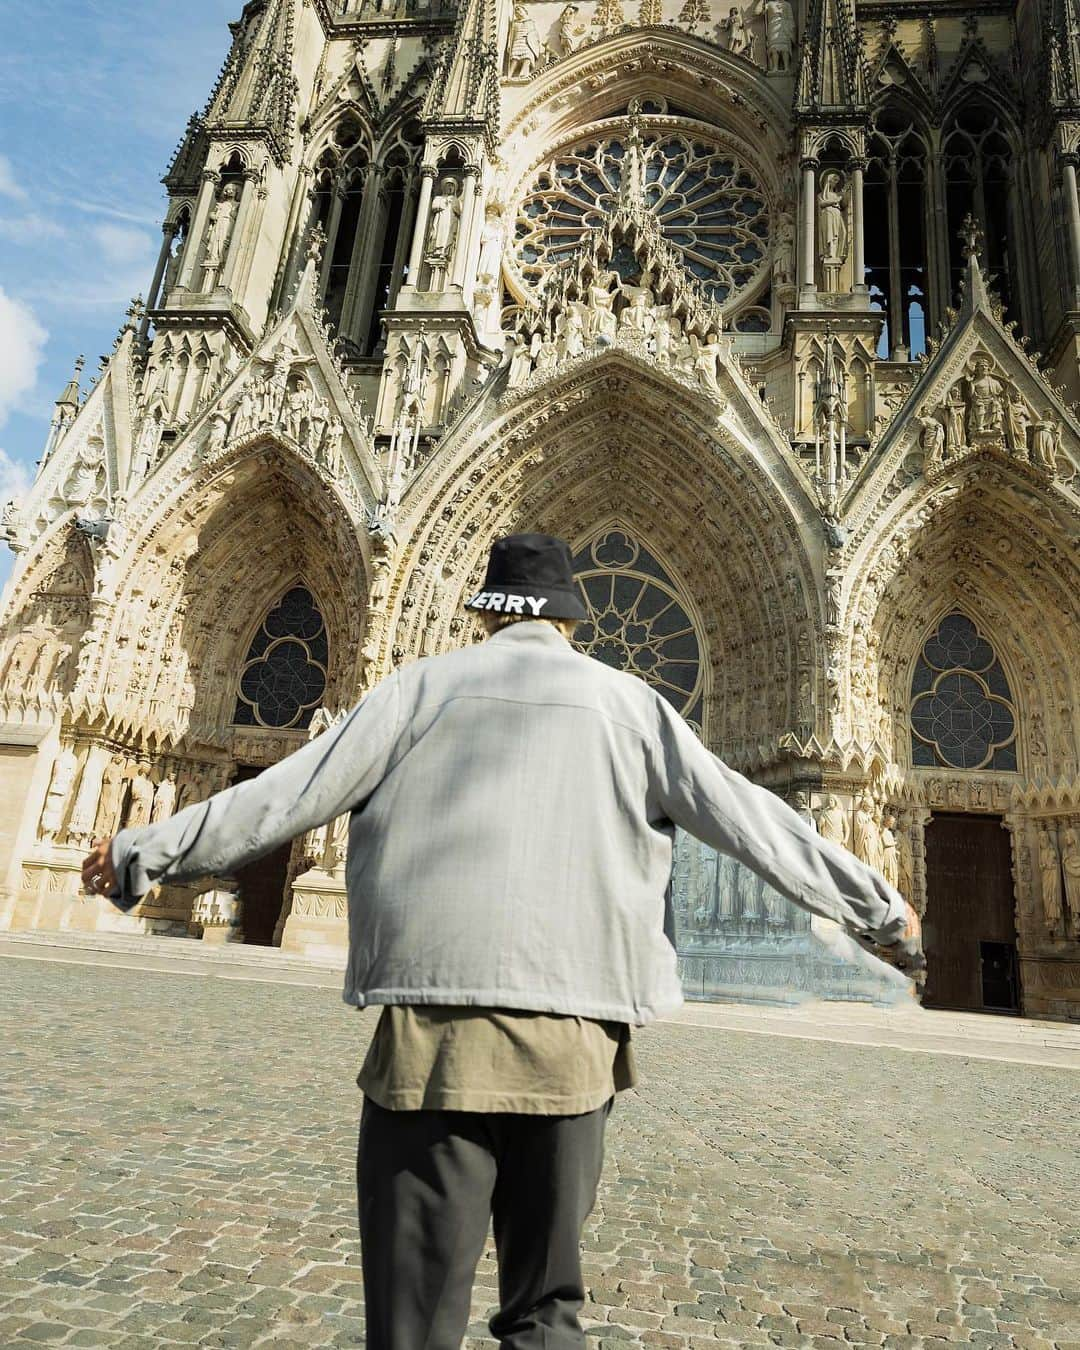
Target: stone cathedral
770, 307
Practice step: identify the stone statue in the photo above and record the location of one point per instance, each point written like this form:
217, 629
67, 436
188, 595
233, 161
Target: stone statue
955, 413
706, 362
523, 48
246, 411
1017, 421
87, 477
218, 434
380, 581
63, 776
318, 416
141, 799
296, 409
932, 443
332, 451
1050, 875
890, 852
784, 255
521, 362
736, 34
1043, 445
572, 337
986, 405
832, 821
905, 861
443, 224
164, 799
84, 810
571, 32
218, 233
779, 33
832, 229
866, 841
800, 804
601, 307
112, 788
1070, 866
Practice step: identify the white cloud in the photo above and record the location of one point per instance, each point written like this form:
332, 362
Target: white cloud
9, 184
22, 346
122, 244
30, 228
14, 478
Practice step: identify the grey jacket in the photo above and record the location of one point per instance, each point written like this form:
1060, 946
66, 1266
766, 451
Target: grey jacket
512, 812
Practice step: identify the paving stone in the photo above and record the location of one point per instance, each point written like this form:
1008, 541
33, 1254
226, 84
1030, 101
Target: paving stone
188, 1180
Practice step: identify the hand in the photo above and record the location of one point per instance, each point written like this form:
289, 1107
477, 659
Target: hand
97, 869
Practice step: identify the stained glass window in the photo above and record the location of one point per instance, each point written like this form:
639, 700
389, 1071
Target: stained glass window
284, 676
637, 622
708, 204
962, 713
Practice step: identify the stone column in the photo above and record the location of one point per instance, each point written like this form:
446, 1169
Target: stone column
465, 229
168, 230
359, 289
858, 228
416, 257
239, 232
198, 229
1072, 215
808, 227
332, 225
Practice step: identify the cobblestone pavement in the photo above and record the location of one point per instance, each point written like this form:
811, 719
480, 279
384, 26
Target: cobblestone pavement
176, 1159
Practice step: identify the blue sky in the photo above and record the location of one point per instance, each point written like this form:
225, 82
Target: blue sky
94, 97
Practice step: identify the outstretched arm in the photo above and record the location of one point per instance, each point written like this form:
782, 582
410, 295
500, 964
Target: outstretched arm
332, 774
721, 807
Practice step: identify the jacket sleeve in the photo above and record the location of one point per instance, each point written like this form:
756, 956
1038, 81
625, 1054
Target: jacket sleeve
334, 773
697, 791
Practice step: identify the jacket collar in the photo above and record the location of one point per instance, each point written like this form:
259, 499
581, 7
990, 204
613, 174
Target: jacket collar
531, 630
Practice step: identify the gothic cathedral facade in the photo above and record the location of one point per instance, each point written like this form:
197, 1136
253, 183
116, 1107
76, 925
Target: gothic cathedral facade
770, 307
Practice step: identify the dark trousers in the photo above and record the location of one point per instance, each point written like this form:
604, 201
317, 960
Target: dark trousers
428, 1182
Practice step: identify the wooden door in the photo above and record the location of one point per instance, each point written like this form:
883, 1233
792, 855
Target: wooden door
262, 884
970, 928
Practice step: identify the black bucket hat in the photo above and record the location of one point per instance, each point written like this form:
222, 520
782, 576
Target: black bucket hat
532, 575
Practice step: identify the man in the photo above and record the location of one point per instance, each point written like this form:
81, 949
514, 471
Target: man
512, 812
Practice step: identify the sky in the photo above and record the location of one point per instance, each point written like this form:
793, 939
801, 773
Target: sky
94, 98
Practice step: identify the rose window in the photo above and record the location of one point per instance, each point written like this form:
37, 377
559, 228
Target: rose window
637, 622
284, 676
962, 713
708, 203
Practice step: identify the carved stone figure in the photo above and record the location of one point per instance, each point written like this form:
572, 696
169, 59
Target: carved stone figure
218, 434
164, 799
1070, 866
1017, 421
955, 415
784, 246
905, 860
779, 33
866, 841
332, 446
63, 776
87, 478
571, 31
986, 405
1050, 876
246, 411
218, 233
737, 36
601, 309
112, 789
832, 228
141, 799
707, 362
932, 442
1043, 445
523, 47
443, 224
890, 852
832, 821
521, 362
572, 338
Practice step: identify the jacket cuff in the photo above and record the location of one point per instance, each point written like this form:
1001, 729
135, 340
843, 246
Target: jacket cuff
892, 930
132, 883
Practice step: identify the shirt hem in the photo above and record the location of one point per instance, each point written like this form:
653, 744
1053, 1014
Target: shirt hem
638, 1016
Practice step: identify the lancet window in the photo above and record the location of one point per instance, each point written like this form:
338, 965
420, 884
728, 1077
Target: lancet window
637, 621
364, 207
978, 172
962, 710
896, 233
284, 676
706, 198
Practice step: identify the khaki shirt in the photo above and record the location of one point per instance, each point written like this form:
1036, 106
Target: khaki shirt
479, 1059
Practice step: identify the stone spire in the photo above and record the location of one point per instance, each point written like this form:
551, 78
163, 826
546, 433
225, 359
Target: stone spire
832, 78
257, 88
465, 91
69, 399
1062, 54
